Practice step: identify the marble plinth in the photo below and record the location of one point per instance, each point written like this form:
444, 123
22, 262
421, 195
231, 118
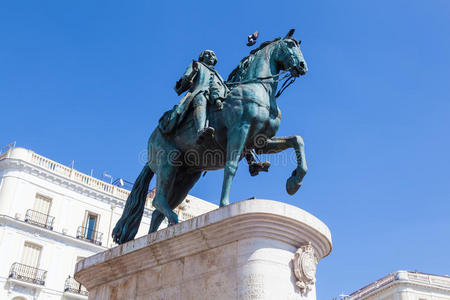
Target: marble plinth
253, 249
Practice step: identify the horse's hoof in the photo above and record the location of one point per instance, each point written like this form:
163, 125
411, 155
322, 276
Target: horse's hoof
292, 185
173, 221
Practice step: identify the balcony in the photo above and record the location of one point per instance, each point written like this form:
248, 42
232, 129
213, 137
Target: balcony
27, 273
74, 287
39, 219
90, 235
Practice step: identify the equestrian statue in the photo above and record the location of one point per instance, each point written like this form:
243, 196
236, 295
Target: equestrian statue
214, 126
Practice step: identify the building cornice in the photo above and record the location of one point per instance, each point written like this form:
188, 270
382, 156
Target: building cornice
64, 181
46, 233
25, 160
248, 219
404, 279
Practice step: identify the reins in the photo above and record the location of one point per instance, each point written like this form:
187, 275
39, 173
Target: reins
290, 80
284, 75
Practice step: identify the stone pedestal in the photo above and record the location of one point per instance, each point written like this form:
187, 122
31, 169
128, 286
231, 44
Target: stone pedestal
253, 249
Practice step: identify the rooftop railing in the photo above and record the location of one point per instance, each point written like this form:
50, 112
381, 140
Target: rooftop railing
371, 287
39, 219
78, 176
415, 277
73, 286
3, 155
90, 235
429, 279
27, 273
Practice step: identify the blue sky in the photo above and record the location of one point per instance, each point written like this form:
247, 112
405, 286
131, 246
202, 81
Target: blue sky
88, 80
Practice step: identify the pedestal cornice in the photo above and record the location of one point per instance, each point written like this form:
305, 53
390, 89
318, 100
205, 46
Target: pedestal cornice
247, 219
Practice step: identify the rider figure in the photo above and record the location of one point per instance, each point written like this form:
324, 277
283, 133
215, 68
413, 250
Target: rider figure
206, 86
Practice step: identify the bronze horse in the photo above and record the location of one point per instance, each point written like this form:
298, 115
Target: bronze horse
249, 120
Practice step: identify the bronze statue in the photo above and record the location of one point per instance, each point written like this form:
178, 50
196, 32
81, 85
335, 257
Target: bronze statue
244, 123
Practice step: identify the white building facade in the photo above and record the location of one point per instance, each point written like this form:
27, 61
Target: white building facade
51, 216
405, 285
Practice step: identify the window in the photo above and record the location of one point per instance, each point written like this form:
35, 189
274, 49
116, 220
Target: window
27, 269
89, 230
42, 204
90, 225
39, 214
74, 286
31, 255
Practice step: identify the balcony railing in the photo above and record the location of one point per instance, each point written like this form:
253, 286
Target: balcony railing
90, 235
39, 219
73, 286
27, 273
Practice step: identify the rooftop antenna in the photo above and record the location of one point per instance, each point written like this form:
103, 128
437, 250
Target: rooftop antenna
340, 297
121, 182
108, 176
7, 147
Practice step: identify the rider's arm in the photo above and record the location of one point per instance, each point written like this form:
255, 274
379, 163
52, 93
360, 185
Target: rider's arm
185, 82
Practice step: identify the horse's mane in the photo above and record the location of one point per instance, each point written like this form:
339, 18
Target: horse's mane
239, 71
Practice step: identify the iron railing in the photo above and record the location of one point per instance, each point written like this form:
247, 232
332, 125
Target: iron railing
27, 273
90, 235
73, 286
371, 287
39, 219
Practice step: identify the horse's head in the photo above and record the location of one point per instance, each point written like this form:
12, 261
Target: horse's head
290, 56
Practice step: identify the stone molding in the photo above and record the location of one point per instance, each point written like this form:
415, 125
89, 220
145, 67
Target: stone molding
254, 218
22, 164
402, 278
29, 162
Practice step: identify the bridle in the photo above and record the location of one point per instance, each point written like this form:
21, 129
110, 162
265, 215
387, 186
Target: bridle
286, 74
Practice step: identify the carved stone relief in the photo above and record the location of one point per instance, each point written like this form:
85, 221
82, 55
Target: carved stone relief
305, 264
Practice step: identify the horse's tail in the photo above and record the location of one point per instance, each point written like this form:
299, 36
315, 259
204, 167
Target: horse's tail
128, 225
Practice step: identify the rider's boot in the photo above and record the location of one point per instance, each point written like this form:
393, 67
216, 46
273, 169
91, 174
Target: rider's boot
205, 134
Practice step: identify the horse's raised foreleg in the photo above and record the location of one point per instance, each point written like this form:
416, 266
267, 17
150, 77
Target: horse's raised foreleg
237, 137
278, 144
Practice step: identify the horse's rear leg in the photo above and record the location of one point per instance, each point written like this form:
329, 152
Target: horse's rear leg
164, 184
237, 137
157, 218
183, 184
